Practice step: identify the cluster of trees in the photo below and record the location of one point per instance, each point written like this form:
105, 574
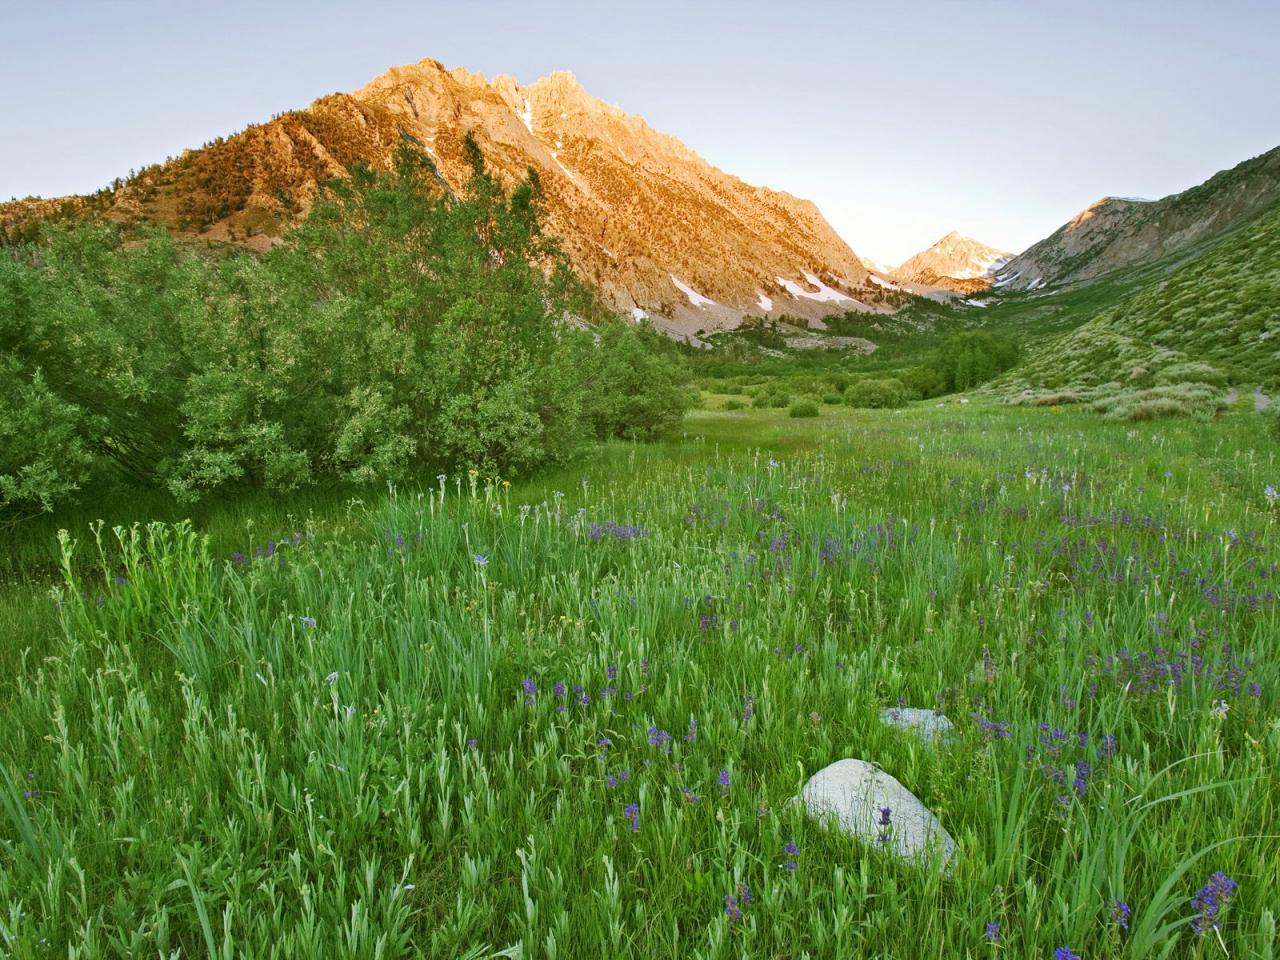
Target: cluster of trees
401, 328
961, 362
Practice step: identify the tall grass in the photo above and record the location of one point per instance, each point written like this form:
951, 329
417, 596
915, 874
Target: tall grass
355, 742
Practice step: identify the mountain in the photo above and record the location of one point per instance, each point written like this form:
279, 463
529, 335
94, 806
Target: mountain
653, 227
1173, 343
953, 263
1118, 232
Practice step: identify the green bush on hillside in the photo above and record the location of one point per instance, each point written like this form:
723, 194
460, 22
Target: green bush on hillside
876, 394
803, 407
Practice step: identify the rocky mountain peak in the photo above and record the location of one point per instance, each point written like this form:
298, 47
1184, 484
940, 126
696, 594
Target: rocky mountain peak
654, 228
955, 262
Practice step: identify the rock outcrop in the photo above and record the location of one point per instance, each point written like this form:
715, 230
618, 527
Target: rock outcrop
854, 795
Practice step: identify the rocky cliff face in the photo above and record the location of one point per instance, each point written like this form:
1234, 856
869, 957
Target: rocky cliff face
649, 223
1117, 232
653, 227
956, 263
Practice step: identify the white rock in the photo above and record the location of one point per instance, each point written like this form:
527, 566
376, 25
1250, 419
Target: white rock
932, 727
850, 793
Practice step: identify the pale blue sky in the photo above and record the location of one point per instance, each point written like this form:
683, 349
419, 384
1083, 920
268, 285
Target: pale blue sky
900, 120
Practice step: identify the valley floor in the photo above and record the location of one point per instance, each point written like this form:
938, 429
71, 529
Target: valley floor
565, 718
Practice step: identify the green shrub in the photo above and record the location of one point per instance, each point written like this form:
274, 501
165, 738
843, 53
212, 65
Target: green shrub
924, 382
802, 408
638, 393
733, 403
399, 330
1183, 399
832, 399
44, 458
876, 394
771, 397
1192, 371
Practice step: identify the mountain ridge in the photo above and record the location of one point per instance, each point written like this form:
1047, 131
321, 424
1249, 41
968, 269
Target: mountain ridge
658, 231
1116, 232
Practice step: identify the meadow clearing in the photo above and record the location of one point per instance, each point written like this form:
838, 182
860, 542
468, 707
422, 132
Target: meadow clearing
565, 717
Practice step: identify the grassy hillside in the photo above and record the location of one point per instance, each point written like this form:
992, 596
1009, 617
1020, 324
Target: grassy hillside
356, 743
1117, 233
1175, 342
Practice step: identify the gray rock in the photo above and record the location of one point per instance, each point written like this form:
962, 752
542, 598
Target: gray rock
932, 727
851, 793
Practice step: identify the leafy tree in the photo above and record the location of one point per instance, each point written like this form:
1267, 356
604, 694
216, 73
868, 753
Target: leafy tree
637, 392
402, 327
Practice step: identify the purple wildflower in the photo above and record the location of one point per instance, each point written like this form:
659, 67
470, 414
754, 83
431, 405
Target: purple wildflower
884, 825
1107, 749
530, 691
992, 730
309, 622
792, 851
731, 909
659, 738
1120, 914
723, 780
1065, 953
993, 931
1209, 902
1081, 781
632, 812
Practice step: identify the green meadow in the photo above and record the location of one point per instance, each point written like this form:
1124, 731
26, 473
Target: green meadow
566, 716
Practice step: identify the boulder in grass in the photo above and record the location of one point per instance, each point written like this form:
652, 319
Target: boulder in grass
852, 795
933, 729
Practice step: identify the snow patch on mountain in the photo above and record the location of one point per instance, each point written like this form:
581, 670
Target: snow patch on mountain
824, 294
695, 298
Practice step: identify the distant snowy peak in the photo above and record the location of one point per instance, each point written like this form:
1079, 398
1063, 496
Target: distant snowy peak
956, 263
